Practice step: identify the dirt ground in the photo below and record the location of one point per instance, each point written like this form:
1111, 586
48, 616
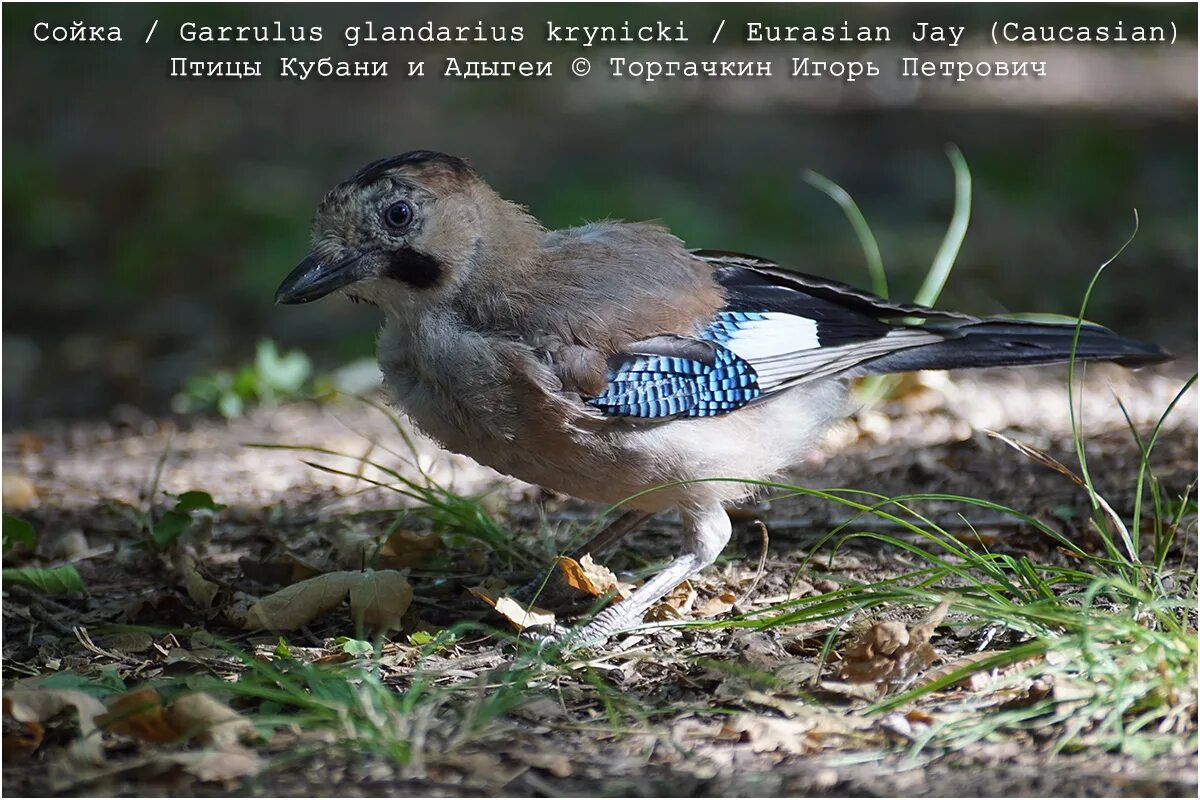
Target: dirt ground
89, 482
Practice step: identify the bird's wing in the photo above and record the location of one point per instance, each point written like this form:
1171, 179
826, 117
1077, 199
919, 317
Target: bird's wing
777, 329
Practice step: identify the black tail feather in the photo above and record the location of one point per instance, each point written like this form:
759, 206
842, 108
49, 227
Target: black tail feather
1010, 343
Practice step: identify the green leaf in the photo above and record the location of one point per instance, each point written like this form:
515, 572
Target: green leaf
18, 531
284, 374
420, 637
176, 521
99, 685
58, 580
196, 501
170, 528
355, 647
246, 384
230, 405
282, 650
436, 642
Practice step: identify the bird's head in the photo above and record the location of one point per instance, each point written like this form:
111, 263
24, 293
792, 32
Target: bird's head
403, 232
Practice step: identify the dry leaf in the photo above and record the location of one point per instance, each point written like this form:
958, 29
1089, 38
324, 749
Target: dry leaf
405, 549
139, 715
796, 589
379, 600
218, 764
358, 548
27, 442
769, 734
284, 570
354, 546
19, 492
202, 717
301, 603
920, 392
32, 707
72, 546
588, 576
789, 708
891, 652
919, 717
974, 681
202, 591
675, 605
572, 584
715, 606
852, 691
128, 642
523, 616
520, 615
545, 758
898, 725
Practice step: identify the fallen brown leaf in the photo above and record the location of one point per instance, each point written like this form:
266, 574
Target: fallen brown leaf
377, 598
588, 576
283, 570
519, 615
222, 764
675, 605
767, 734
300, 603
358, 548
33, 707
404, 549
128, 642
542, 757
19, 493
523, 616
202, 717
139, 715
202, 591
715, 606
891, 652
975, 680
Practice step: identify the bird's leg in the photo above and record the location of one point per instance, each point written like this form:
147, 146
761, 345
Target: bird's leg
614, 532
543, 589
707, 532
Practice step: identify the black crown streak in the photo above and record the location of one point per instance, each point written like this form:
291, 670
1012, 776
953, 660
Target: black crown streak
377, 169
418, 270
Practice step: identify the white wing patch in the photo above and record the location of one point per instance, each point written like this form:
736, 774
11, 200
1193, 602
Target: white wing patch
773, 335
784, 349
768, 343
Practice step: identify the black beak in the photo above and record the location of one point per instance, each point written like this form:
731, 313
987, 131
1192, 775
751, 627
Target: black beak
311, 281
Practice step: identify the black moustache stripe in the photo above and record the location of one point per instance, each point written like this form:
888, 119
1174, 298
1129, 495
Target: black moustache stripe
419, 270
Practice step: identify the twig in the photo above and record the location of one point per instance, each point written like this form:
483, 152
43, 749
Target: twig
38, 611
765, 538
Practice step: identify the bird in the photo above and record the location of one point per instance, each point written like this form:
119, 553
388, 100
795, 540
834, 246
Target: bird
610, 362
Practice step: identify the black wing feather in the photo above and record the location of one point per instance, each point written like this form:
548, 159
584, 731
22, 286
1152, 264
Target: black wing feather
745, 273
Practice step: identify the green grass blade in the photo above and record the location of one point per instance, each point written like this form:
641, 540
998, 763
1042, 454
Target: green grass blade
943, 262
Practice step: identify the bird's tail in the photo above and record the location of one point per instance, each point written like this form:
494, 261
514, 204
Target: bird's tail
1009, 343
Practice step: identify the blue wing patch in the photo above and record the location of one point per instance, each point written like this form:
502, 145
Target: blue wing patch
656, 386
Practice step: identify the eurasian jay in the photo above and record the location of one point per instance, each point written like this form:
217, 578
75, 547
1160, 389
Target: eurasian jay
606, 360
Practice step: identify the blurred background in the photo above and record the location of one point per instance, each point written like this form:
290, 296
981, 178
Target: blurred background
148, 220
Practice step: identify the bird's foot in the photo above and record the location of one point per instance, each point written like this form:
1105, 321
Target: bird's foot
592, 635
544, 638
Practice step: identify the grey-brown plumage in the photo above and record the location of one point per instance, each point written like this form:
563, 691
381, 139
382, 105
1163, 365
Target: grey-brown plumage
607, 359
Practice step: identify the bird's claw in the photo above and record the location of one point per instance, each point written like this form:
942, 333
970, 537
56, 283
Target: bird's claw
544, 637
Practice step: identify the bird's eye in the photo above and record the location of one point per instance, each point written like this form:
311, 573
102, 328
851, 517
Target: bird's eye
398, 216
